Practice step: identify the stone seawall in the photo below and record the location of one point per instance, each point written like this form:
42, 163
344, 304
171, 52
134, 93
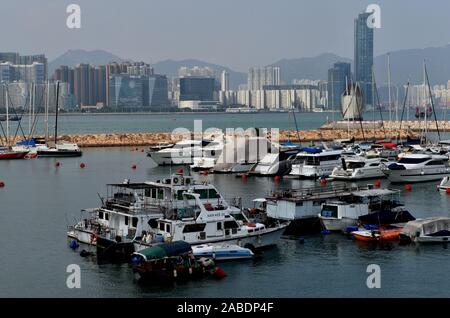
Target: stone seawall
146, 139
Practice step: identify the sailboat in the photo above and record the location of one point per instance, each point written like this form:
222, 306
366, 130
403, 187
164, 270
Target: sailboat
7, 152
56, 149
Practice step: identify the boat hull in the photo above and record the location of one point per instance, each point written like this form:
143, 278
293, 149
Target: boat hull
59, 153
337, 225
252, 241
415, 175
13, 155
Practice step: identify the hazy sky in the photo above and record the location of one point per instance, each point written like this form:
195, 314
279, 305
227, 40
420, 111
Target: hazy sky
236, 33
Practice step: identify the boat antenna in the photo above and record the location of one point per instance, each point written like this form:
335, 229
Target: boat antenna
432, 102
403, 111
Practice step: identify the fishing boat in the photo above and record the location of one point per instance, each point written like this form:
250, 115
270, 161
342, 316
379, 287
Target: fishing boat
222, 252
358, 168
300, 207
315, 162
212, 222
418, 168
170, 262
429, 230
339, 215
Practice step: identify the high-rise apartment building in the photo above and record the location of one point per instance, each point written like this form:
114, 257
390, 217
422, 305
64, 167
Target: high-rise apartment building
259, 77
225, 81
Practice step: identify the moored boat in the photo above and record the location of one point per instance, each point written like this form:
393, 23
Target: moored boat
222, 252
429, 230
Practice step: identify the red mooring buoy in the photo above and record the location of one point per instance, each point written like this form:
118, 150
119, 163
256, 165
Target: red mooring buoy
447, 190
133, 167
323, 181
57, 164
219, 273
408, 187
276, 178
2, 184
377, 184
82, 165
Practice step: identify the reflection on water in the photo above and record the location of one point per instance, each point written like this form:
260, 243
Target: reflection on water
40, 200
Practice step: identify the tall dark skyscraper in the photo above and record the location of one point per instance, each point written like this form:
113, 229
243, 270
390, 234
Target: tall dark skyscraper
338, 77
364, 56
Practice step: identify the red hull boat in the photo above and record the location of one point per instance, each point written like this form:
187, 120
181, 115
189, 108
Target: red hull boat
6, 155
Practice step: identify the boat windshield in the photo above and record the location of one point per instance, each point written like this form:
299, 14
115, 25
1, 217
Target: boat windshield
355, 165
412, 160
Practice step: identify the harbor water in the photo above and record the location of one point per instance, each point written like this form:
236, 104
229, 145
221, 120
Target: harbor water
39, 200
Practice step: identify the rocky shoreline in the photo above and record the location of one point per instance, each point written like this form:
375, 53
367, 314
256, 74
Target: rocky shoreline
147, 139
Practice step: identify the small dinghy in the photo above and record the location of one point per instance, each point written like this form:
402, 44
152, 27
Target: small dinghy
381, 235
444, 185
222, 252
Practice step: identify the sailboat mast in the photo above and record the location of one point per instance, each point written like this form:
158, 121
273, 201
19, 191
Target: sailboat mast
29, 110
389, 86
56, 112
7, 116
46, 112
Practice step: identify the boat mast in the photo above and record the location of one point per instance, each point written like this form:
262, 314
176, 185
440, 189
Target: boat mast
7, 116
389, 86
56, 113
425, 103
46, 112
29, 111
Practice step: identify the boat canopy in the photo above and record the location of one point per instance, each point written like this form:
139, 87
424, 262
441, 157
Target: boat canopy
165, 250
427, 226
387, 217
311, 150
374, 192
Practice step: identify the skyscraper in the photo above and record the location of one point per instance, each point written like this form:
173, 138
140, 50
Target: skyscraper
364, 56
338, 77
225, 81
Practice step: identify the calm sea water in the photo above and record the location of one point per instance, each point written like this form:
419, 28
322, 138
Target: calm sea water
152, 122
40, 200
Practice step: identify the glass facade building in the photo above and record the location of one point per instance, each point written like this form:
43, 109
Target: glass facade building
197, 88
364, 56
338, 77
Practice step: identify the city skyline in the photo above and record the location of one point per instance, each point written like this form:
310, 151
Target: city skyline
161, 32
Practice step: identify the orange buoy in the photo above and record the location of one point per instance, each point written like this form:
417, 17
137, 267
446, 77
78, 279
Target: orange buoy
133, 167
408, 187
82, 165
2, 184
219, 273
377, 184
57, 164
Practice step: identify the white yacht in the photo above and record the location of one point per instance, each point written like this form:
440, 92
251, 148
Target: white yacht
358, 168
418, 168
209, 156
315, 163
181, 153
212, 222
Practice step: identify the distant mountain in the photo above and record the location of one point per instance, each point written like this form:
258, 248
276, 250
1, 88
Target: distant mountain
74, 57
170, 68
409, 64
314, 68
